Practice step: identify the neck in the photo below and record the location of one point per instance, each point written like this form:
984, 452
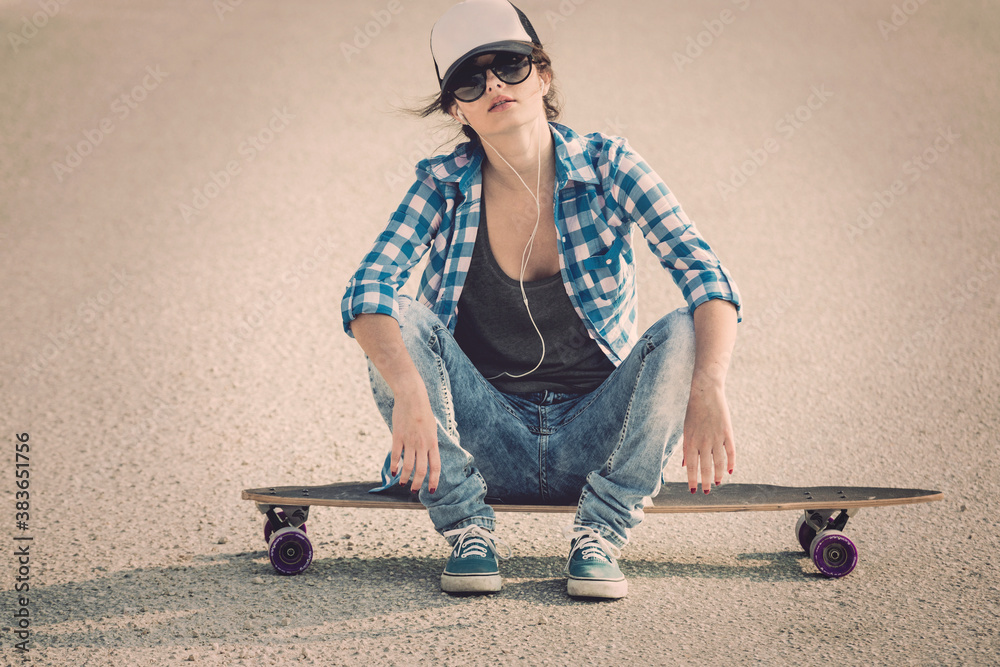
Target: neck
521, 151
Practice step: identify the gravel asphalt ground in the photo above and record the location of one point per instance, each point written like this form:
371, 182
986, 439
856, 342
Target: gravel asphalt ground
186, 187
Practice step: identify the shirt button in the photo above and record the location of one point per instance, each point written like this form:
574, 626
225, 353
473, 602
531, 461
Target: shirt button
609, 260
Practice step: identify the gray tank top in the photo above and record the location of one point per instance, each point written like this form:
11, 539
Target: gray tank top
494, 331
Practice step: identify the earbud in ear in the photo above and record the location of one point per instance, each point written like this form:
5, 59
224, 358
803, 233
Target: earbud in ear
462, 118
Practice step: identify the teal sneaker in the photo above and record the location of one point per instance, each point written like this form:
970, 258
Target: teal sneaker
472, 566
591, 568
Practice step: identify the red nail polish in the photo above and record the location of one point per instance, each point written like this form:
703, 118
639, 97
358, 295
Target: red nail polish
706, 490
431, 491
730, 472
694, 490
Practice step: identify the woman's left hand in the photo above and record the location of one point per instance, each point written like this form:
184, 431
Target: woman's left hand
709, 445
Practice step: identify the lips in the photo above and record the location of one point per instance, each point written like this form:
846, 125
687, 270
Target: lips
500, 100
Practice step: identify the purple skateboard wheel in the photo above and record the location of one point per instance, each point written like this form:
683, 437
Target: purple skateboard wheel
834, 554
806, 533
290, 551
268, 530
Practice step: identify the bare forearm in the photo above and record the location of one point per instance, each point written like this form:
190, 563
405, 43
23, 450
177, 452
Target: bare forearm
709, 444
414, 430
379, 336
715, 336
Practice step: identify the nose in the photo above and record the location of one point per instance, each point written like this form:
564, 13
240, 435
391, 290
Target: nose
495, 80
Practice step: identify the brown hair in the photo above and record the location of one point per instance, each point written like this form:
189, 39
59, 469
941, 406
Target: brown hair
443, 101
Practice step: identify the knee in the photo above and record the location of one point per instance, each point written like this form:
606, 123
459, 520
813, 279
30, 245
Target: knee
418, 324
674, 331
681, 328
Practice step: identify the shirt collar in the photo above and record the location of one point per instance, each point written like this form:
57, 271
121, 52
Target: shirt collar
572, 157
572, 161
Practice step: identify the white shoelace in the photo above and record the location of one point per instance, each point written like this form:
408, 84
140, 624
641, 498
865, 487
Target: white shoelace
474, 540
590, 544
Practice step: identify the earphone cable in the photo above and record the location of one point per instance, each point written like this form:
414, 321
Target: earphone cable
526, 255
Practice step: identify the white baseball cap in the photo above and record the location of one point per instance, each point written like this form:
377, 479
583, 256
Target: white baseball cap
474, 27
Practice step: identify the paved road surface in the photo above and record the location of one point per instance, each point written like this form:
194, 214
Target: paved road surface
186, 189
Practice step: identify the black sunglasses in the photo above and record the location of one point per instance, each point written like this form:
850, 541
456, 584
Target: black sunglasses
469, 83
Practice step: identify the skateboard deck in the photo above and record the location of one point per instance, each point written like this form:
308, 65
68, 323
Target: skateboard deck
818, 531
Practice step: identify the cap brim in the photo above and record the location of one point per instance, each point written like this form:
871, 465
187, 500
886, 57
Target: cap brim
509, 46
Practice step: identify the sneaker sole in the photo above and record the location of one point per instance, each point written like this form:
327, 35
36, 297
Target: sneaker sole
471, 583
597, 588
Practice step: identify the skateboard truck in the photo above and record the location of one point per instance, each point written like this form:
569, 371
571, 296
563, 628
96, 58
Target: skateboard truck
820, 520
289, 516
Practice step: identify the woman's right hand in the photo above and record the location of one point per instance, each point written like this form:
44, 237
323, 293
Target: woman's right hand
414, 440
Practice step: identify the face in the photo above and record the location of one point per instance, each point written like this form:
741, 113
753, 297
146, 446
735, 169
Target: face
495, 90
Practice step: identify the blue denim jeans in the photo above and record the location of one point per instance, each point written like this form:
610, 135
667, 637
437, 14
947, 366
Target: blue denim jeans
604, 450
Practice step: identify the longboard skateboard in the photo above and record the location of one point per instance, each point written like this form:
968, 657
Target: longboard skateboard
819, 531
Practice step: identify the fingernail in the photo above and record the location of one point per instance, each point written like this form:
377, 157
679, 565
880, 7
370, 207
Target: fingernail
706, 490
431, 490
730, 471
694, 490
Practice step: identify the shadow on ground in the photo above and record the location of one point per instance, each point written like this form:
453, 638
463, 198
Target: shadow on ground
239, 597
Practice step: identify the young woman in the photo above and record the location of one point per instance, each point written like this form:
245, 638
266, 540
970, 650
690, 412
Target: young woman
518, 373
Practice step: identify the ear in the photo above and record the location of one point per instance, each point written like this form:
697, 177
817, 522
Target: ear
457, 114
545, 79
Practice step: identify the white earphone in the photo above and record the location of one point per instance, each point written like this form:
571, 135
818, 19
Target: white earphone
526, 255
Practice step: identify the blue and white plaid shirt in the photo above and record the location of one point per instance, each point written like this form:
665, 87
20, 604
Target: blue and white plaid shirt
602, 188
